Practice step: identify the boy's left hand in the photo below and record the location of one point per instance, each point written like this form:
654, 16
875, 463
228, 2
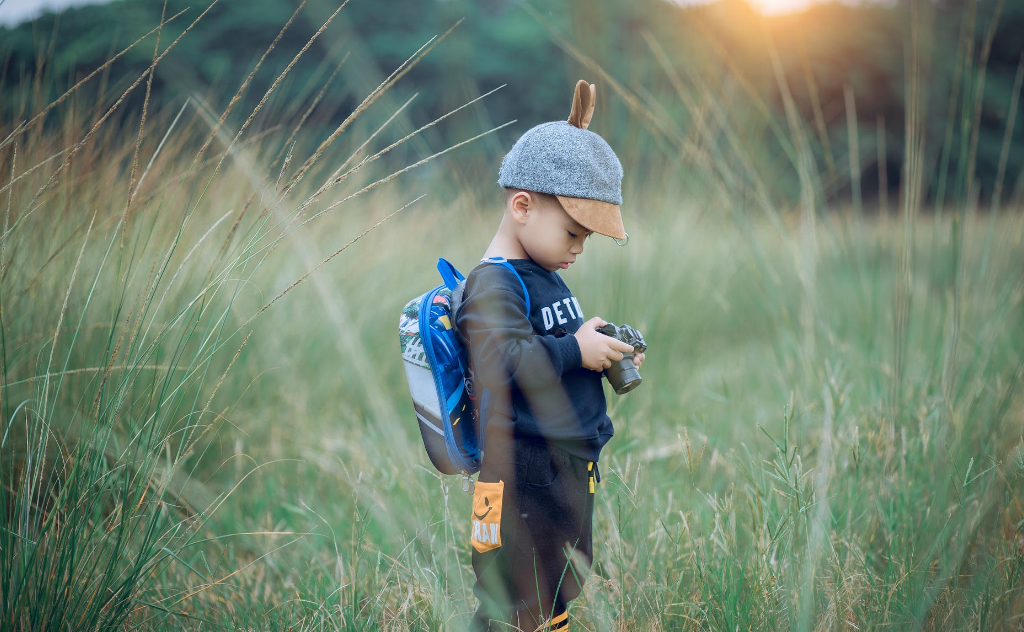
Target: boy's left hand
638, 359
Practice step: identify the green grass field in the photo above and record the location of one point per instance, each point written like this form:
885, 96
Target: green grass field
196, 435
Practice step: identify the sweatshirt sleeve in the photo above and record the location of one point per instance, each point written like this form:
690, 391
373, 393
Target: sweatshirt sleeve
503, 345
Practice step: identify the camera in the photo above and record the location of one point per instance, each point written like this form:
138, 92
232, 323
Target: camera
622, 375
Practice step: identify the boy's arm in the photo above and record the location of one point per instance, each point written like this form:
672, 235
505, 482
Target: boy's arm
503, 346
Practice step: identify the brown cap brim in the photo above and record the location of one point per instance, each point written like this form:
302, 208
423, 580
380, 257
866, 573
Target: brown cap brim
600, 217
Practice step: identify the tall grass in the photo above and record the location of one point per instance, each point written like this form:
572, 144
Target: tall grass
205, 422
130, 249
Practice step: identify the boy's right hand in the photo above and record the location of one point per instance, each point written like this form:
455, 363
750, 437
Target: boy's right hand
598, 350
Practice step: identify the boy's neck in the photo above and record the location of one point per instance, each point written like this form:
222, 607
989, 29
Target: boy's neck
505, 242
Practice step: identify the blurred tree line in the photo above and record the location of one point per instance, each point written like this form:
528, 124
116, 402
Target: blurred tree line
674, 82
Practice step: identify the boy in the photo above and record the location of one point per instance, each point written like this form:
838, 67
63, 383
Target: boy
542, 406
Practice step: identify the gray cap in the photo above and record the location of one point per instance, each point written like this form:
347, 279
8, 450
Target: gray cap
565, 159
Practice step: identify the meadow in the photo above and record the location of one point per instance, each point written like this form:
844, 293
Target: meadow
206, 425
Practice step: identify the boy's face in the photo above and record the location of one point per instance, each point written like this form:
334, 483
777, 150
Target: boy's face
549, 235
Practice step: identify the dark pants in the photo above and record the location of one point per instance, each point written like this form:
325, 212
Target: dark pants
546, 546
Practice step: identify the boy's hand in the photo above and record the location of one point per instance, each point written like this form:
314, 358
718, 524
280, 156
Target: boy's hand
638, 359
597, 349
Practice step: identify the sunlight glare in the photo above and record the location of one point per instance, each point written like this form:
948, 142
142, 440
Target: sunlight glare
780, 7
764, 7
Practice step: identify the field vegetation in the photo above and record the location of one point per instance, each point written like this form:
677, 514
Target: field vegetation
205, 423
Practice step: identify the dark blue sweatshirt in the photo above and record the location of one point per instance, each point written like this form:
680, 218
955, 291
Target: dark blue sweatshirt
531, 363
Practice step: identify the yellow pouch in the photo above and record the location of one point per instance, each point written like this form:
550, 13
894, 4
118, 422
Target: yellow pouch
487, 516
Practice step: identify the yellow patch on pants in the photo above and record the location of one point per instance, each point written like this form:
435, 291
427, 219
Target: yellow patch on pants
487, 516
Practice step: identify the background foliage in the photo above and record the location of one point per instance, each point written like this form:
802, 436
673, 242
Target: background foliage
974, 53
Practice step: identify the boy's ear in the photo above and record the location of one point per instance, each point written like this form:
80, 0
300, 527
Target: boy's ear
519, 205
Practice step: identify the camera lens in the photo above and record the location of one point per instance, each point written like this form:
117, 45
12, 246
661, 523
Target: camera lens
628, 380
623, 376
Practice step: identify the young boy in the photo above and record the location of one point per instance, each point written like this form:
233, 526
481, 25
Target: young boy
542, 406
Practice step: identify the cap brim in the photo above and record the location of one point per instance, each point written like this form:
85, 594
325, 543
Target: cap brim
600, 217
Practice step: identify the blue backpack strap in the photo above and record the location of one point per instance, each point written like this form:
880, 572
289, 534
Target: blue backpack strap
449, 274
501, 261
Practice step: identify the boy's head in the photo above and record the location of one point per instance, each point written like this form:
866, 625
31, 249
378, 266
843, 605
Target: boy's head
545, 232
574, 165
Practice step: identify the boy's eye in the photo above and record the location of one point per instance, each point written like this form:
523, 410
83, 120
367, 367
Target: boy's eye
572, 234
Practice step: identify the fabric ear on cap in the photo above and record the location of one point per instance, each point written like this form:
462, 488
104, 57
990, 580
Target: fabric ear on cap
600, 217
583, 101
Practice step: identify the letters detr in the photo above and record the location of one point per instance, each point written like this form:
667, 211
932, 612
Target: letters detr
555, 314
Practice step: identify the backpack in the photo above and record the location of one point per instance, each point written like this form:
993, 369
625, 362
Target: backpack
437, 369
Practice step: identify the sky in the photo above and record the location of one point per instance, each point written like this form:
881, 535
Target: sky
15, 11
